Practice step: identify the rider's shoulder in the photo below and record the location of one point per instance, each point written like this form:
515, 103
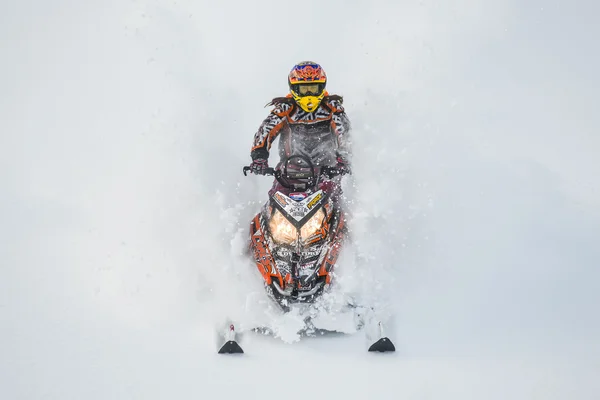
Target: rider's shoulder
334, 102
281, 105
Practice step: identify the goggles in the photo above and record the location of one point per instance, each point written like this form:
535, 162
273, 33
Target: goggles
308, 89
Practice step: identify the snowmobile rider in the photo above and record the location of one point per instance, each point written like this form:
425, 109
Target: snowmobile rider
309, 121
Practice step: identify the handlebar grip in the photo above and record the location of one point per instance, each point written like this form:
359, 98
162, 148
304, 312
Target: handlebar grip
331, 171
268, 171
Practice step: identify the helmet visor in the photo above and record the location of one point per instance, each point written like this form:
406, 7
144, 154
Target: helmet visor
308, 89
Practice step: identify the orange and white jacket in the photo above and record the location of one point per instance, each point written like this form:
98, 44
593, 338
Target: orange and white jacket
322, 135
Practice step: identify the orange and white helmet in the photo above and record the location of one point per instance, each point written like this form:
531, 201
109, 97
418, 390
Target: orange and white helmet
307, 81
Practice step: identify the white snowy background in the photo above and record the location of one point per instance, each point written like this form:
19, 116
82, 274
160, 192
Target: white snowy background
123, 129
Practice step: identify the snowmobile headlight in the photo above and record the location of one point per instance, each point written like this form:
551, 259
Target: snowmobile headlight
312, 225
281, 229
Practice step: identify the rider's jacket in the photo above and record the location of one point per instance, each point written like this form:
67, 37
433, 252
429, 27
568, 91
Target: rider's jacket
321, 135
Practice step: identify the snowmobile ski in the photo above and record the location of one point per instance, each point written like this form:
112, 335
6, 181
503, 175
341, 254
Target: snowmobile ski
383, 345
230, 346
380, 342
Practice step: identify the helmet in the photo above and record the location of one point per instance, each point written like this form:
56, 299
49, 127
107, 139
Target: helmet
307, 82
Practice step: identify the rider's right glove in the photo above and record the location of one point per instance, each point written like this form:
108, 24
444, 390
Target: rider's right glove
259, 166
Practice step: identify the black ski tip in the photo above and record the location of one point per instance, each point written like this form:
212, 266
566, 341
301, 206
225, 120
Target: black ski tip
231, 347
383, 345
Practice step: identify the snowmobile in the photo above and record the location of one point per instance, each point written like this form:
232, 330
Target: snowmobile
298, 235
296, 238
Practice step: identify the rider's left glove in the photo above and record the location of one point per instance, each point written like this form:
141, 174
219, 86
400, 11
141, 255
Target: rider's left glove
343, 166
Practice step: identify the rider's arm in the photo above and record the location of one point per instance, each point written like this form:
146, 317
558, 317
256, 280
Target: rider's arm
340, 124
269, 130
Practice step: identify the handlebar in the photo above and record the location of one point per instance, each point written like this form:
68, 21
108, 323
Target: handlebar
330, 172
268, 171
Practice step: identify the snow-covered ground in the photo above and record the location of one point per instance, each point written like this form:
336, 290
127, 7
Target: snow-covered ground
123, 130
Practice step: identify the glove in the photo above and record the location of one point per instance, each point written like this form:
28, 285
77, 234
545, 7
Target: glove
343, 166
259, 166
